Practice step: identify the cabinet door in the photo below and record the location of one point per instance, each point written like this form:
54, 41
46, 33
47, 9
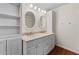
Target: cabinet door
48, 44
14, 46
31, 47
31, 51
39, 50
40, 46
53, 41
3, 47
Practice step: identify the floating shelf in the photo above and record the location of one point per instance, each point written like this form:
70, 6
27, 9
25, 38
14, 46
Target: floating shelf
9, 16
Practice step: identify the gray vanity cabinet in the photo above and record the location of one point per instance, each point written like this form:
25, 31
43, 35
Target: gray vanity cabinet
39, 46
14, 46
2, 47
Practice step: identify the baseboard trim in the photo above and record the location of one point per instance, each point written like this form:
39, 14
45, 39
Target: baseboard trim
76, 52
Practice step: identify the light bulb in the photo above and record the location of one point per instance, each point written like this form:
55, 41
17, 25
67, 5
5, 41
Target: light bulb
45, 12
39, 9
31, 5
35, 7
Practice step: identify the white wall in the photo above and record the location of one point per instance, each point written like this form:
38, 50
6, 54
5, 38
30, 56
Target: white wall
51, 21
67, 26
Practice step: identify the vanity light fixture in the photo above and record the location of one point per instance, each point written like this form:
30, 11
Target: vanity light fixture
31, 5
35, 7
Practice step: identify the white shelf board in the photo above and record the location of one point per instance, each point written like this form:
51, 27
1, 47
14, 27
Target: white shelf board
9, 16
9, 36
9, 25
15, 4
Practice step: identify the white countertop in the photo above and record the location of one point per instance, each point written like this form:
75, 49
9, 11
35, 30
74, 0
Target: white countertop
35, 36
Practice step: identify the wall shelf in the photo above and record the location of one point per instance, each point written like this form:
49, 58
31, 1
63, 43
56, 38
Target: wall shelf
15, 4
9, 25
9, 21
9, 36
9, 16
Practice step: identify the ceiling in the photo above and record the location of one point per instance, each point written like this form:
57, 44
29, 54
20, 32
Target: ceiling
44, 6
48, 6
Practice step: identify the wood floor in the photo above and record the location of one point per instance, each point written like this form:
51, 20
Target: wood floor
61, 51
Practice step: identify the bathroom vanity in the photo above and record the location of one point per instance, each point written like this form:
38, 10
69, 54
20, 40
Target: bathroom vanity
36, 39
38, 44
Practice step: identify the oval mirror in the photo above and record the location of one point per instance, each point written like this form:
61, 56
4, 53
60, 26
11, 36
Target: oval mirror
29, 19
42, 22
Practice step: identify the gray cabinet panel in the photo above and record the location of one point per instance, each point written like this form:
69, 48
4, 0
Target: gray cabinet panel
39, 50
31, 51
3, 47
52, 41
31, 47
46, 50
40, 47
14, 46
49, 44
